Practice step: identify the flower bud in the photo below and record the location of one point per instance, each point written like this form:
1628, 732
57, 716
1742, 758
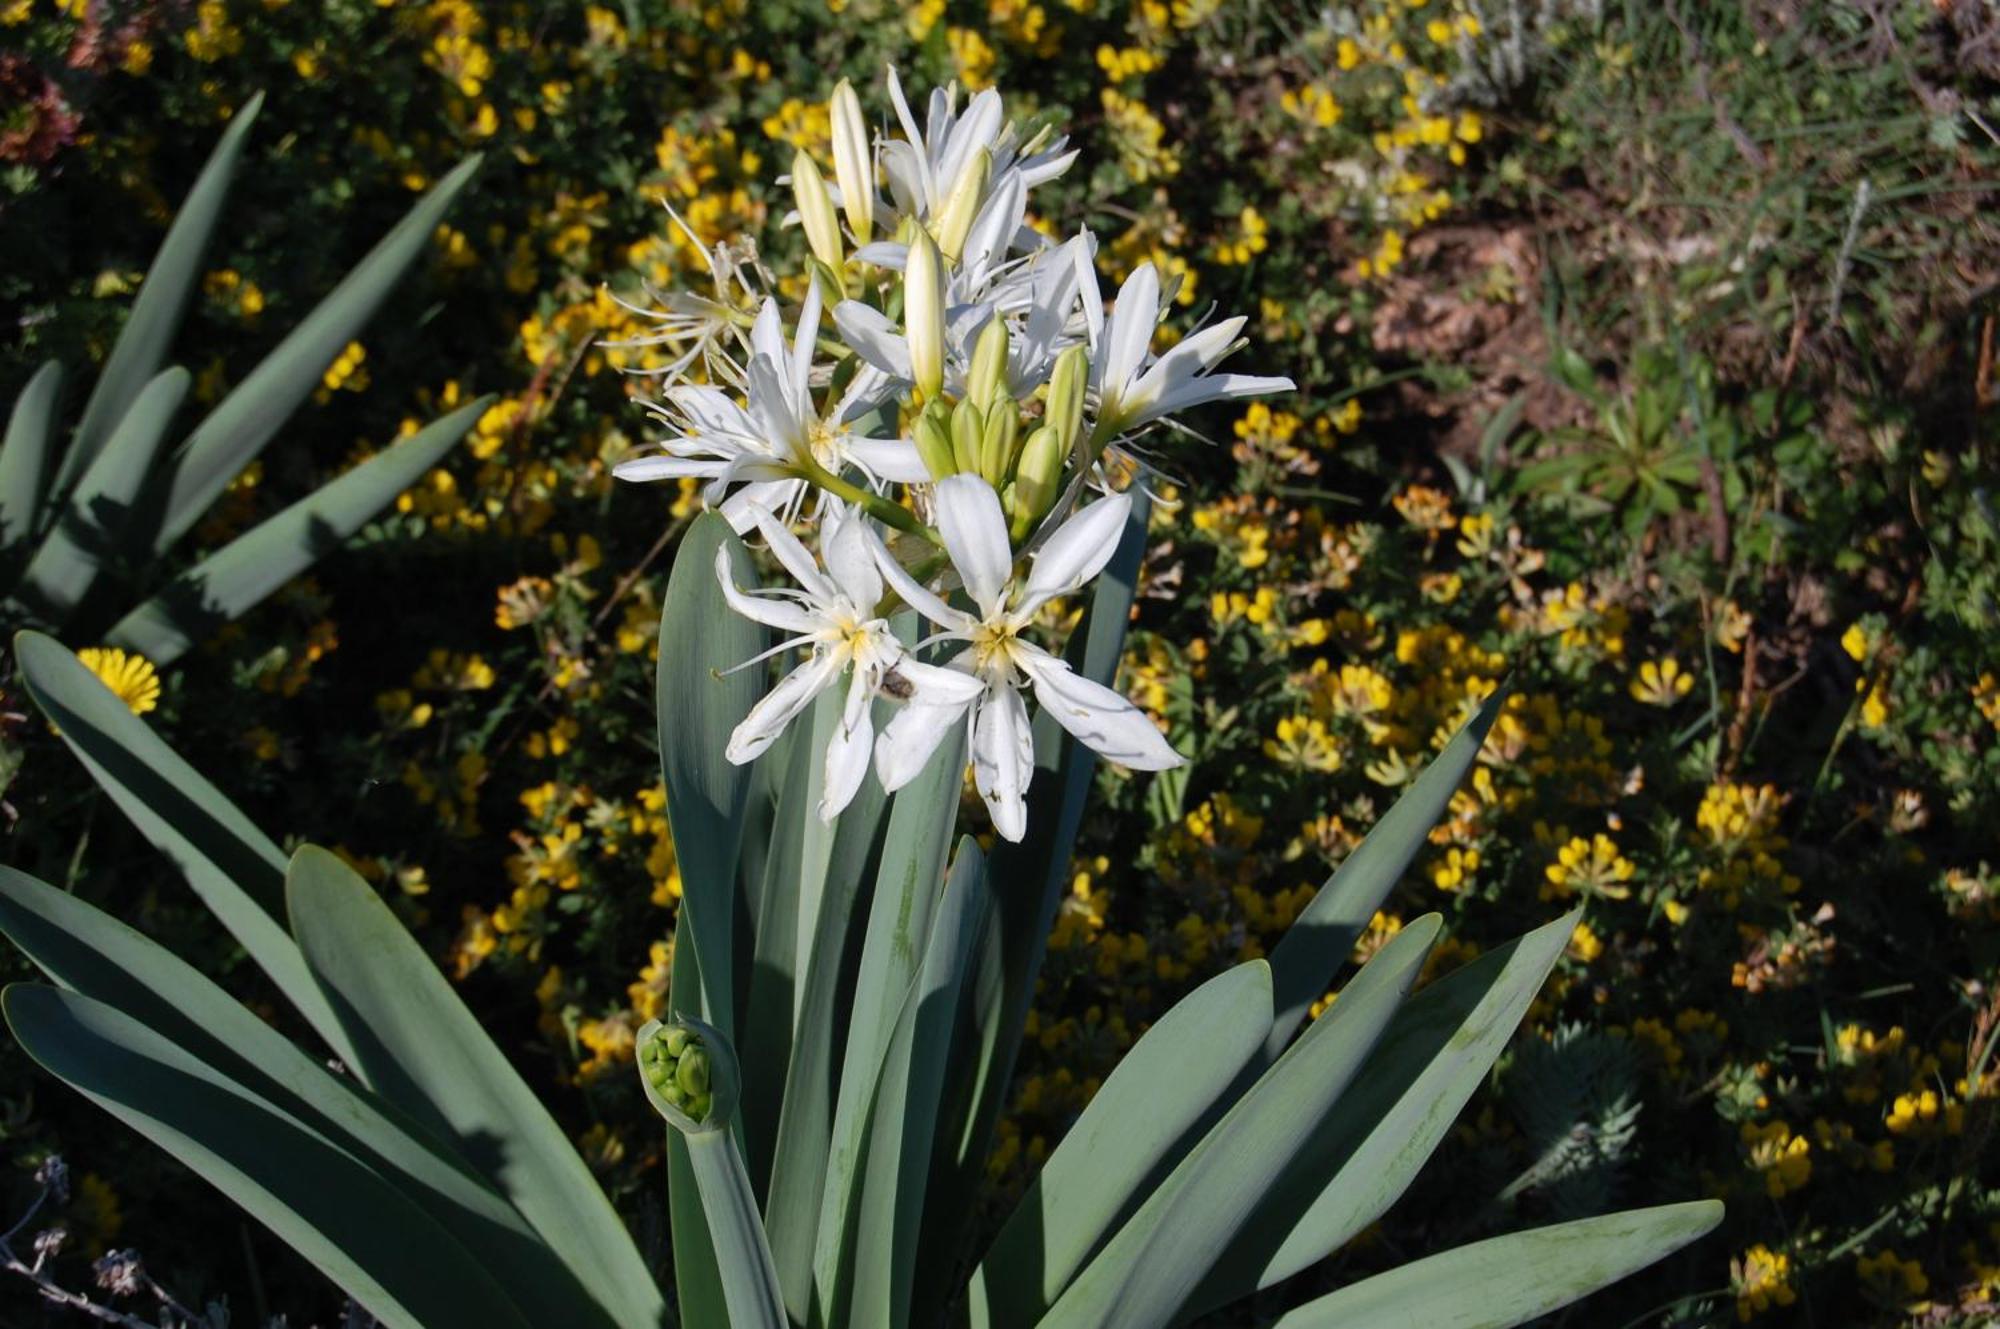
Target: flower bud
933, 437
923, 313
1037, 480
689, 1074
822, 224
968, 434
996, 445
955, 217
1065, 403
853, 165
987, 378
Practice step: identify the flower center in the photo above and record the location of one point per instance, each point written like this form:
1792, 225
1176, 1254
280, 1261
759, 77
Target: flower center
993, 647
824, 442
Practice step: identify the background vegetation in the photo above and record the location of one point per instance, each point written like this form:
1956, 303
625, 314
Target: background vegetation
1646, 357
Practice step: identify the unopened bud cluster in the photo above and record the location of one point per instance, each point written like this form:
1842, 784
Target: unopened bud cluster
676, 1064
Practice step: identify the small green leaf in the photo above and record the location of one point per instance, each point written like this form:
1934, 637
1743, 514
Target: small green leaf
234, 867
409, 1271
1137, 1127
27, 452
1144, 1276
419, 1047
156, 315
237, 430
228, 583
1304, 961
700, 703
94, 527
1513, 1279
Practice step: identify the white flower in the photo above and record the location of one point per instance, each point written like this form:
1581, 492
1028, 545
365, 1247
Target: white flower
832, 613
1132, 392
766, 443
925, 165
974, 529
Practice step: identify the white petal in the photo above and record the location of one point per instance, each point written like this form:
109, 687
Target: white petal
975, 534
847, 752
849, 559
1103, 719
874, 338
785, 615
1212, 387
771, 402
768, 718
767, 334
912, 735
935, 685
663, 468
793, 555
772, 496
803, 344
1130, 331
1003, 758
1077, 552
884, 254
894, 460
919, 597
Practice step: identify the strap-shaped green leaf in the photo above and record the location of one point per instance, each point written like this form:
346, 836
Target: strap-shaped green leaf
142, 344
1513, 1279
1307, 957
93, 528
223, 586
1139, 1125
419, 1047
409, 1271
805, 1115
1144, 1275
84, 949
27, 454
904, 1120
1434, 1057
921, 816
742, 1254
700, 703
237, 430
234, 867
698, 1279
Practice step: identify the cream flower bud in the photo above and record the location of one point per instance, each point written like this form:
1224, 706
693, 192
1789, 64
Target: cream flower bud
816, 212
961, 206
1037, 480
1065, 404
968, 434
996, 444
987, 378
853, 165
923, 313
933, 438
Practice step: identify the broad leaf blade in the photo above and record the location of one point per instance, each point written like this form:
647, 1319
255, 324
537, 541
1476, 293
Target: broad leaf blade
904, 1120
1304, 961
1144, 1276
742, 1254
234, 867
86, 950
27, 454
156, 315
418, 1046
1141, 1122
1431, 1062
698, 1280
406, 1269
700, 703
94, 526
241, 574
1513, 1279
237, 430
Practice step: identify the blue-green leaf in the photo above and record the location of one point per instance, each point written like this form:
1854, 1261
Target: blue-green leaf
1513, 1279
225, 585
234, 867
742, 1254
94, 526
409, 1271
237, 430
419, 1047
156, 315
27, 453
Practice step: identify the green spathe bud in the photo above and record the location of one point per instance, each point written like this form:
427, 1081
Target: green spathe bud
853, 164
689, 1074
822, 225
1065, 403
933, 438
954, 219
923, 313
968, 434
996, 446
987, 378
1037, 480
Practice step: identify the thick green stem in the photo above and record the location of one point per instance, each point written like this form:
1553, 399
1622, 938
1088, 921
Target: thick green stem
876, 506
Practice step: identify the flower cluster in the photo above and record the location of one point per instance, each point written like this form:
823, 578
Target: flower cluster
972, 447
